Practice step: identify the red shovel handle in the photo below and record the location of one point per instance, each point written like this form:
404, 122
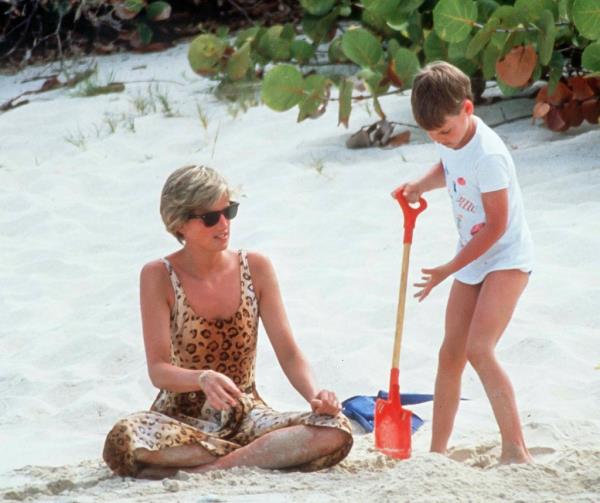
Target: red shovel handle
410, 214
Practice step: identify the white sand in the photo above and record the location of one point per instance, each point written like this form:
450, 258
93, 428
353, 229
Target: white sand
78, 223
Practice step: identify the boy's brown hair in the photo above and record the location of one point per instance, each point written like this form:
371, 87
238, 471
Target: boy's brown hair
438, 90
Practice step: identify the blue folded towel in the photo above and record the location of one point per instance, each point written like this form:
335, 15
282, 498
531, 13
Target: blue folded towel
361, 408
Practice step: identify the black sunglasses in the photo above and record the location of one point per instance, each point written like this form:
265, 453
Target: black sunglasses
211, 218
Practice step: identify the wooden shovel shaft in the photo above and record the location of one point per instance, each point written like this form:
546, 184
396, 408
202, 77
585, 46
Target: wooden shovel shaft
401, 305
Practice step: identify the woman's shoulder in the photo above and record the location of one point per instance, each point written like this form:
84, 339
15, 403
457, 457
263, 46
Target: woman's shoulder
154, 272
259, 264
257, 260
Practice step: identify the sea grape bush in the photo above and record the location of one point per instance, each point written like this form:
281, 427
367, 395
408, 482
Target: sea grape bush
385, 42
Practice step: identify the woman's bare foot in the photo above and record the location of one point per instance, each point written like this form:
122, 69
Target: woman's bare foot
156, 472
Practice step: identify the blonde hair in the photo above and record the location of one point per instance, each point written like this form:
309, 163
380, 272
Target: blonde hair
439, 90
187, 189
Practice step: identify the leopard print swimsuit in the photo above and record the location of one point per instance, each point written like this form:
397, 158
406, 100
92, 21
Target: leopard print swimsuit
176, 419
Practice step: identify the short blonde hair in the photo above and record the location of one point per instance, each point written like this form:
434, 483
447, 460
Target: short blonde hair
188, 189
438, 90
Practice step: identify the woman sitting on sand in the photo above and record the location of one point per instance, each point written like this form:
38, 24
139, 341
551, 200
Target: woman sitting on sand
200, 309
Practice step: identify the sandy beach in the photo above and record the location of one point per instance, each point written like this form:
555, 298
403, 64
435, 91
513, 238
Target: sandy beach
80, 179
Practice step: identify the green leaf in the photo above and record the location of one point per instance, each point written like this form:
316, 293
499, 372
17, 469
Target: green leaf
586, 15
499, 39
398, 21
381, 8
531, 10
553, 79
591, 57
158, 11
506, 89
373, 80
415, 27
346, 88
239, 63
145, 33
248, 35
485, 9
129, 8
557, 64
282, 88
490, 56
509, 16
335, 52
361, 47
320, 29
377, 107
547, 36
406, 66
204, 54
393, 46
315, 95
273, 45
288, 33
410, 5
317, 7
454, 19
222, 32
302, 51
281, 50
482, 37
565, 8
345, 11
134, 5
435, 48
456, 56
377, 22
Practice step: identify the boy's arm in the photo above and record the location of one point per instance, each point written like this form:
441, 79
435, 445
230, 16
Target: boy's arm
433, 179
495, 205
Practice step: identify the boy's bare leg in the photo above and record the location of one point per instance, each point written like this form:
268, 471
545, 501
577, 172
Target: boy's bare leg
287, 447
496, 303
452, 361
166, 462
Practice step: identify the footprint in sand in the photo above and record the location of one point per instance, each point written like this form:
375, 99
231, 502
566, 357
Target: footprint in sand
481, 456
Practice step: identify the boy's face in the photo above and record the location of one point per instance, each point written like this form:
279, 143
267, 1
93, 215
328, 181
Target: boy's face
457, 129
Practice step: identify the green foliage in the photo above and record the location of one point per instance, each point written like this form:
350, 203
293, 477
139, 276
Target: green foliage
144, 14
361, 47
454, 19
406, 66
205, 54
591, 57
383, 43
317, 7
586, 16
283, 88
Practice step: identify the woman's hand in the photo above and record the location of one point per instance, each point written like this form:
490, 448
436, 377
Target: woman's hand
326, 403
410, 190
431, 278
221, 392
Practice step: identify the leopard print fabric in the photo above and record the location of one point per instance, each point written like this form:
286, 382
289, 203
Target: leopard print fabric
176, 419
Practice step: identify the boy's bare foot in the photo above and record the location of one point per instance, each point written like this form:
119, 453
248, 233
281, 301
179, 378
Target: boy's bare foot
515, 455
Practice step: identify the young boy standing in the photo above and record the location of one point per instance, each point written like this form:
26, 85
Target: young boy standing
494, 255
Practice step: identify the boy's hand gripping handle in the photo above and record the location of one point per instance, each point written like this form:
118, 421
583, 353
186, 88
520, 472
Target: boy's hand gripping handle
410, 215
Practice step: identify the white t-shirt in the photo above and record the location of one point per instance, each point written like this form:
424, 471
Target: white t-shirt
485, 165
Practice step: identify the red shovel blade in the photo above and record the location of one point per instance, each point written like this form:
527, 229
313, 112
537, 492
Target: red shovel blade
393, 426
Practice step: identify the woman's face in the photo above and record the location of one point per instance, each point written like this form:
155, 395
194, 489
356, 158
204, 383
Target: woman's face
197, 230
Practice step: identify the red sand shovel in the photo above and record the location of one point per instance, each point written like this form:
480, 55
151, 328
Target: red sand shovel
392, 422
